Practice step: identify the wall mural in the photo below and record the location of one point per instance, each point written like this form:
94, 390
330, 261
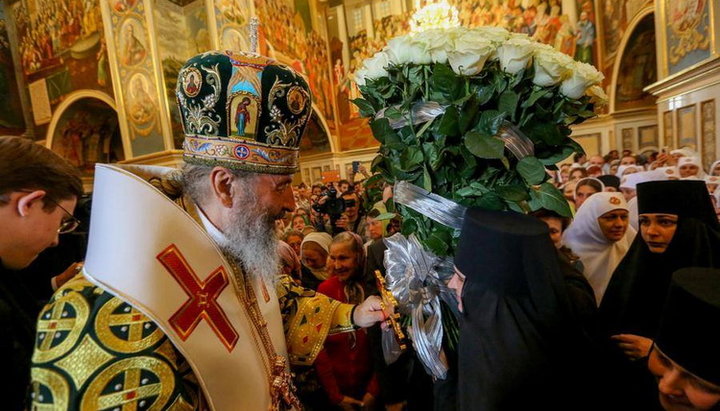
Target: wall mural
638, 68
135, 66
62, 44
289, 34
11, 114
688, 33
615, 16
181, 33
315, 140
87, 133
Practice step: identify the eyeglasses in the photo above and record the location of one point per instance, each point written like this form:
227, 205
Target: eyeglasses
68, 225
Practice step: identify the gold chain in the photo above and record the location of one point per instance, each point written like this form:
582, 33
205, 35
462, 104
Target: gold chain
282, 389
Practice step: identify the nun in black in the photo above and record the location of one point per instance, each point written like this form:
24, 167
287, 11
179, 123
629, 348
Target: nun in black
521, 346
678, 229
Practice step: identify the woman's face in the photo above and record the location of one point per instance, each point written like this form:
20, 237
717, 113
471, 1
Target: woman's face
569, 192
374, 228
688, 170
577, 174
715, 171
294, 241
630, 170
457, 282
583, 193
657, 230
298, 223
342, 261
555, 227
628, 193
314, 258
680, 390
613, 224
614, 169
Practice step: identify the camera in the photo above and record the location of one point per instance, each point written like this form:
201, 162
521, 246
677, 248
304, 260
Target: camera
332, 206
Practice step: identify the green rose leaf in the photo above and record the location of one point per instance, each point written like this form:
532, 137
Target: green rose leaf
512, 192
531, 170
491, 201
449, 123
411, 158
545, 131
445, 83
386, 135
491, 120
508, 103
484, 146
468, 114
439, 242
366, 109
547, 196
386, 216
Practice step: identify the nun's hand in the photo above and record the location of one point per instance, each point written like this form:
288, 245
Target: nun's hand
634, 346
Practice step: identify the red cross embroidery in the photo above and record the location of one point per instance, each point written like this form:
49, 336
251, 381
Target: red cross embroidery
203, 298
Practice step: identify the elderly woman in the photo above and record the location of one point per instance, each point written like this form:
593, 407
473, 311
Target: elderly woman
600, 235
344, 366
314, 253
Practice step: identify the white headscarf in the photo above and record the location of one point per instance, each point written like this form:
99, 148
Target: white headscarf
685, 152
621, 170
580, 183
632, 180
666, 173
694, 161
585, 238
712, 167
633, 216
323, 240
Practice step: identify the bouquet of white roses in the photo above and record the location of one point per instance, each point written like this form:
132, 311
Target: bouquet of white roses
476, 82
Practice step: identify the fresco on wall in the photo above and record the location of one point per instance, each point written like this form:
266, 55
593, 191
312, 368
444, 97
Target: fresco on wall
285, 29
135, 67
638, 68
179, 37
615, 15
88, 133
688, 33
315, 140
11, 114
62, 43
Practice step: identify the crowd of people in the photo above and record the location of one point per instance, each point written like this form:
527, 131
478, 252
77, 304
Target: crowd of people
641, 229
637, 221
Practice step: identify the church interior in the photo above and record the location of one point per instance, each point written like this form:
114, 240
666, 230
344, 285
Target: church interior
95, 80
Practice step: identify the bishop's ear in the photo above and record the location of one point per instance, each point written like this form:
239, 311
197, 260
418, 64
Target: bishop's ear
221, 179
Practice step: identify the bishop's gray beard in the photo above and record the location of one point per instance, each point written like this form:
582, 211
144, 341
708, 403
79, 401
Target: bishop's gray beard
252, 240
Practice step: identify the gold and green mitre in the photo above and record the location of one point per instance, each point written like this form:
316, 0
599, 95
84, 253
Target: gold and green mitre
242, 111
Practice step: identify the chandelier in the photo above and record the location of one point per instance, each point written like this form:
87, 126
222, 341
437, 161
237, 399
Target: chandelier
440, 15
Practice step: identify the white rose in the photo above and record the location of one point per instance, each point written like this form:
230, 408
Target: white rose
360, 76
403, 50
514, 55
470, 52
551, 66
597, 95
582, 76
375, 65
497, 35
436, 43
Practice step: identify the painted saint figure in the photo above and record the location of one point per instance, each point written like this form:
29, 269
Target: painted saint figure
242, 116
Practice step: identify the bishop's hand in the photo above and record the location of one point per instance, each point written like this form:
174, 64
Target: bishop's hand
369, 312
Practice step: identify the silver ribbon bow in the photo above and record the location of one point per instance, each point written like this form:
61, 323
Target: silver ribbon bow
418, 280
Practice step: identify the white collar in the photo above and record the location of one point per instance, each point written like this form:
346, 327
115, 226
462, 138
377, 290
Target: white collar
213, 231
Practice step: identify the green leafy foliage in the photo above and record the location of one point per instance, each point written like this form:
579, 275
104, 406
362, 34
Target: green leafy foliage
459, 155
